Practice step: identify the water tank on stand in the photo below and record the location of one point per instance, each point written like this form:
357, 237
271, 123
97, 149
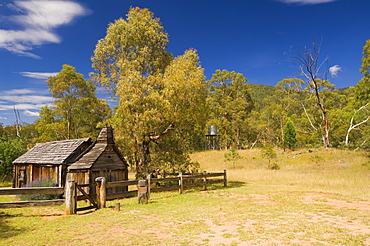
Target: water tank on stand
212, 130
212, 139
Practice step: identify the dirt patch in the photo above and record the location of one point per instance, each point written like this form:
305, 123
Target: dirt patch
321, 199
261, 199
219, 234
253, 198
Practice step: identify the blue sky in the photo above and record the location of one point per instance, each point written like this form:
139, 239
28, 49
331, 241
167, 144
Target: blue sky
252, 37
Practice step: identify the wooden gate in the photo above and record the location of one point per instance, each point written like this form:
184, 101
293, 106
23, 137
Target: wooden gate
86, 196
76, 192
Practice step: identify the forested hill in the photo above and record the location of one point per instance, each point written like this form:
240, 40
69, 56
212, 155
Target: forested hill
260, 92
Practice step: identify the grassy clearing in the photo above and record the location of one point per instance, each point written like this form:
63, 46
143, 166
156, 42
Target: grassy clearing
315, 198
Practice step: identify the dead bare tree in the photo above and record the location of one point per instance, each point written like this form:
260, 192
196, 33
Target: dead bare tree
309, 66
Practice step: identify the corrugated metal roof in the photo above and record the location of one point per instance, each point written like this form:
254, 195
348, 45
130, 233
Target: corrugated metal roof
56, 152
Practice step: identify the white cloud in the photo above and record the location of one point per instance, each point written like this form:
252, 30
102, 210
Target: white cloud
30, 113
27, 98
334, 70
304, 2
16, 91
22, 106
24, 99
3, 118
38, 75
38, 19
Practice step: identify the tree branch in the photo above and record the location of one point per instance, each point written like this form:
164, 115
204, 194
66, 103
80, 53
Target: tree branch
308, 117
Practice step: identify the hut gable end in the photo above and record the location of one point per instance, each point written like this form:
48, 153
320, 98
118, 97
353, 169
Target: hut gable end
109, 159
102, 155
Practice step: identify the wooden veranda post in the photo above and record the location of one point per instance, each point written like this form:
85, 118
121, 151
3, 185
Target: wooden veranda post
101, 191
71, 201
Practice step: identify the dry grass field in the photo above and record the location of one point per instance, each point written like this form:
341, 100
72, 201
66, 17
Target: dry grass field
318, 197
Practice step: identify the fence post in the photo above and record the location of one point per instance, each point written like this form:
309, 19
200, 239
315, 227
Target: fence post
118, 206
205, 180
101, 191
181, 184
148, 184
225, 178
71, 201
142, 191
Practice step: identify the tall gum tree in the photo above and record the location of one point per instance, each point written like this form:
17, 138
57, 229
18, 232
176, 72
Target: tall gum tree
155, 91
231, 103
76, 110
361, 115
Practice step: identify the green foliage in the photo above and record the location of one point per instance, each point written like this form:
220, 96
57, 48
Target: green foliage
290, 139
269, 153
162, 111
42, 182
76, 110
259, 92
132, 49
362, 88
9, 151
230, 103
232, 155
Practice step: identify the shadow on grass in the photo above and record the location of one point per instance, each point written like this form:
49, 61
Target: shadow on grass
234, 184
7, 231
4, 215
230, 184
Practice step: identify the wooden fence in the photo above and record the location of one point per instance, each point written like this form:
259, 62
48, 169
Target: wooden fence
32, 191
74, 192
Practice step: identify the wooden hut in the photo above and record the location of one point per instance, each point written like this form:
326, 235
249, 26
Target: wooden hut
78, 159
101, 159
48, 161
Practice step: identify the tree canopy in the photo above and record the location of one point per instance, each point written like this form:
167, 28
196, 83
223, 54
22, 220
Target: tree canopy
161, 100
76, 110
230, 104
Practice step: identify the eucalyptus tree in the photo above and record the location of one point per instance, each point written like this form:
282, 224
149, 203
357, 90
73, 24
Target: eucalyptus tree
285, 102
76, 110
362, 89
230, 103
157, 95
361, 113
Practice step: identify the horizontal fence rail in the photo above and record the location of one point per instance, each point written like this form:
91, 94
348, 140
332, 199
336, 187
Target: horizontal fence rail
32, 191
74, 192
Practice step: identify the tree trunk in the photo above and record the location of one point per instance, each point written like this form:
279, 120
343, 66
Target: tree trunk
143, 160
325, 136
